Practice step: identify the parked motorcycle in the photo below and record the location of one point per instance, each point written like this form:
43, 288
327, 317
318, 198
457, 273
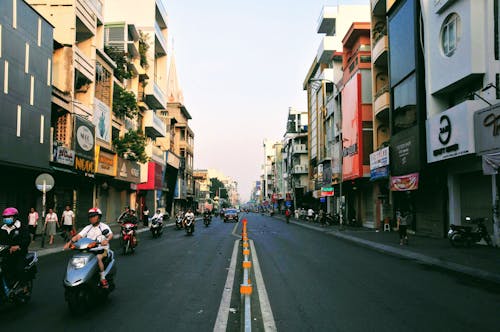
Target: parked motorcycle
206, 220
156, 227
178, 222
11, 291
467, 235
128, 241
82, 284
189, 225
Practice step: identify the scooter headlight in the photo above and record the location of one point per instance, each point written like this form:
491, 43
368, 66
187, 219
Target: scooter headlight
79, 262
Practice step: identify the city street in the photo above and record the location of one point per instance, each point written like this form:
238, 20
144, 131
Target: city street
314, 282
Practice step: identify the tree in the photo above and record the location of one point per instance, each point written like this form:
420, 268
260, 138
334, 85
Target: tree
120, 58
215, 187
124, 103
132, 146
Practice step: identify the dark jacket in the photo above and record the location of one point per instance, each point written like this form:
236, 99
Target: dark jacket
16, 235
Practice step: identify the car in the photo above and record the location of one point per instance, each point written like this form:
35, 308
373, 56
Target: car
231, 215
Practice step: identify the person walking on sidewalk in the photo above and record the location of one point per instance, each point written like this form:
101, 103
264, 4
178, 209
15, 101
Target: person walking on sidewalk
51, 224
33, 222
145, 216
404, 220
68, 222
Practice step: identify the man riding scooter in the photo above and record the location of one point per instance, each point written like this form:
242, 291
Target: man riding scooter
93, 231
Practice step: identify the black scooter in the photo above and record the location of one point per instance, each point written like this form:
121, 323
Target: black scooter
467, 235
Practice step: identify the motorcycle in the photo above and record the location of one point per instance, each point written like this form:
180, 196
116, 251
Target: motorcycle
189, 225
206, 220
178, 222
467, 235
12, 291
156, 227
128, 241
82, 284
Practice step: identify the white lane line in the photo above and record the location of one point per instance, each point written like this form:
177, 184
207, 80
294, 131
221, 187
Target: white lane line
265, 306
225, 303
234, 231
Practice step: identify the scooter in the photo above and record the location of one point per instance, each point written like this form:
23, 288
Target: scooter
189, 225
12, 291
206, 220
178, 222
128, 240
156, 227
82, 284
467, 235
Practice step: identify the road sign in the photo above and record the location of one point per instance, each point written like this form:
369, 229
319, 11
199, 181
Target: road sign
44, 182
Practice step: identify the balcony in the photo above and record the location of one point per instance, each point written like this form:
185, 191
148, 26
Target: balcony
96, 5
378, 7
379, 52
154, 125
327, 48
300, 169
83, 64
160, 42
381, 102
161, 14
327, 20
86, 20
155, 153
155, 98
299, 148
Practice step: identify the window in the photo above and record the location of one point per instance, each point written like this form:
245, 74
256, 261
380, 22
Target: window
18, 128
14, 14
450, 34
0, 40
42, 123
6, 77
39, 35
27, 58
32, 90
49, 71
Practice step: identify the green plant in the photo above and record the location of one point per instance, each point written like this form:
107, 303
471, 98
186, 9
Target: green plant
124, 103
132, 146
143, 48
120, 58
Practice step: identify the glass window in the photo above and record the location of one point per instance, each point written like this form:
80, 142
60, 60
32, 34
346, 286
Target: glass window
450, 33
405, 104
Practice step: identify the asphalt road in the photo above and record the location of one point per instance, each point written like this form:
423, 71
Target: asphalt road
173, 283
314, 282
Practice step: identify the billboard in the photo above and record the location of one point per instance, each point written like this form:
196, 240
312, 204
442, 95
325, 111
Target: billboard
352, 167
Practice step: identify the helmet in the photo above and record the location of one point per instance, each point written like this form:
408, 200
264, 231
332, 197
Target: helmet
95, 212
10, 212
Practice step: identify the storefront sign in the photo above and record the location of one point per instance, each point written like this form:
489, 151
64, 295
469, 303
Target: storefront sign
405, 152
327, 191
84, 138
106, 163
173, 160
85, 165
450, 133
63, 155
128, 171
404, 182
155, 177
379, 173
487, 130
102, 120
379, 158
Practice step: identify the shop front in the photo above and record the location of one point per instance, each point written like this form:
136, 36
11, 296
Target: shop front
379, 175
150, 193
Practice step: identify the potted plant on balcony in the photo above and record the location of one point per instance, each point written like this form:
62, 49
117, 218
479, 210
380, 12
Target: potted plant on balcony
132, 146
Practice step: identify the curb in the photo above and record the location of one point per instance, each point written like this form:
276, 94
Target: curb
428, 260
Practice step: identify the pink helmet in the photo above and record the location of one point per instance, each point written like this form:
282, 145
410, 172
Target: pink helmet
10, 212
95, 212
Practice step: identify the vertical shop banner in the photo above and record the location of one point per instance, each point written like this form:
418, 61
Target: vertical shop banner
351, 129
102, 120
379, 164
84, 145
405, 152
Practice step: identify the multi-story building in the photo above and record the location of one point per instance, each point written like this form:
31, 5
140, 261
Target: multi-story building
203, 198
267, 176
462, 58
150, 20
295, 162
26, 44
323, 83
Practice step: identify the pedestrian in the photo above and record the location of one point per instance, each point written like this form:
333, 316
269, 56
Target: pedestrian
68, 222
310, 214
51, 224
297, 212
404, 220
145, 216
33, 222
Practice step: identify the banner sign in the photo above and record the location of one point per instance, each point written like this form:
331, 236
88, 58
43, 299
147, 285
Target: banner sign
487, 130
327, 191
84, 138
379, 158
405, 182
63, 155
102, 120
379, 173
106, 163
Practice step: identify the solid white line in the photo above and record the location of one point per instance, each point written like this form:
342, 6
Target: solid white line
225, 303
265, 306
234, 230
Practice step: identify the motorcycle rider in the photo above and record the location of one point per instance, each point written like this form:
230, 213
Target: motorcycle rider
14, 234
94, 231
158, 215
189, 215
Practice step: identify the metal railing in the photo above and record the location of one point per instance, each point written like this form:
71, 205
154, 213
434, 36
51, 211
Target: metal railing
246, 286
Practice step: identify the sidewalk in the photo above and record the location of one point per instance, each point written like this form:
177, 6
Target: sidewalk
478, 261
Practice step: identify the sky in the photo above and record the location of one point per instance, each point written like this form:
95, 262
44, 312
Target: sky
241, 65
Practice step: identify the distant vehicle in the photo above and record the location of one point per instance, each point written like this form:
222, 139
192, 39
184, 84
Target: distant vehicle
231, 215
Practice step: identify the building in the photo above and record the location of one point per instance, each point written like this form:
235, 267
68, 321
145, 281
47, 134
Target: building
26, 46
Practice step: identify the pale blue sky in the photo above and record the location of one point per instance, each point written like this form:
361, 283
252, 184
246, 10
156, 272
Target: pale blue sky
241, 64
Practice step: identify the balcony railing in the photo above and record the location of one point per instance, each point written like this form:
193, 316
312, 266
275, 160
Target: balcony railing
326, 49
98, 9
161, 44
379, 53
327, 20
300, 169
154, 125
155, 153
155, 98
86, 14
299, 148
83, 64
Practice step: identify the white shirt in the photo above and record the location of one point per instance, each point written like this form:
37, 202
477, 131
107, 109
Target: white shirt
189, 215
32, 218
67, 217
310, 212
158, 216
93, 232
51, 217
